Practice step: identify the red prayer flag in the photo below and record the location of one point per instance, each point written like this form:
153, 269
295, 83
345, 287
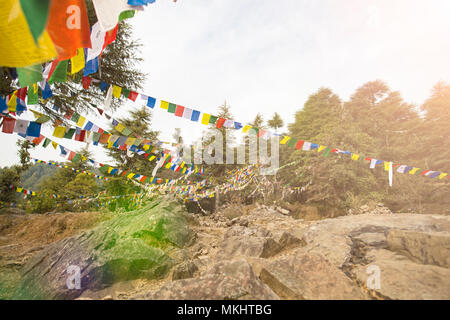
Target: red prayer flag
22, 93
110, 36
81, 135
68, 27
37, 141
86, 82
71, 155
220, 123
68, 115
104, 138
8, 125
179, 111
299, 144
133, 95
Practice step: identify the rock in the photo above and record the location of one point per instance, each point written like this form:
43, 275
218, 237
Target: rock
400, 278
184, 271
425, 247
243, 222
332, 237
108, 298
283, 211
262, 247
403, 246
308, 276
364, 209
375, 239
130, 246
228, 280
288, 240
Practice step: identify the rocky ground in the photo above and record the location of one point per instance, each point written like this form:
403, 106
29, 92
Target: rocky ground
242, 252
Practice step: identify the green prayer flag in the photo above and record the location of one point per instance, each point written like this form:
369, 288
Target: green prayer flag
29, 75
212, 119
75, 117
125, 92
126, 14
103, 169
46, 142
76, 158
42, 119
327, 152
172, 108
126, 132
32, 96
96, 136
60, 73
292, 142
36, 14
69, 133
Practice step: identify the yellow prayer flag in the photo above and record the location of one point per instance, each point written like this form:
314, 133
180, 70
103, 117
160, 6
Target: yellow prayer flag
205, 118
321, 148
182, 164
130, 141
285, 139
59, 132
54, 144
386, 165
355, 156
17, 46
151, 158
442, 175
120, 127
110, 169
19, 189
81, 121
116, 91
246, 128
145, 147
77, 62
130, 176
12, 103
164, 105
413, 171
168, 165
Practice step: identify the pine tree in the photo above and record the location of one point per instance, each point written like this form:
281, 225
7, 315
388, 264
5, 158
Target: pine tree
276, 122
139, 122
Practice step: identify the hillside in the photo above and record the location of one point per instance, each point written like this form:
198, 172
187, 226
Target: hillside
241, 252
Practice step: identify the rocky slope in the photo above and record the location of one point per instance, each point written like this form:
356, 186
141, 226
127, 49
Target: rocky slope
251, 252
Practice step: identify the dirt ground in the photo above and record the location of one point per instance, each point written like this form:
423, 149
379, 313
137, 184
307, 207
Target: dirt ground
22, 235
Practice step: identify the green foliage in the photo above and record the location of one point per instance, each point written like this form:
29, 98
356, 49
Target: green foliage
41, 203
218, 171
375, 122
276, 122
24, 153
139, 121
124, 189
9, 180
33, 177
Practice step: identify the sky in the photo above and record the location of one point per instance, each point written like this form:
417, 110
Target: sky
268, 56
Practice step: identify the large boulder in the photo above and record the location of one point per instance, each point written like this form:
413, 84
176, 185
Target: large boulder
308, 276
228, 280
426, 247
248, 242
411, 252
402, 279
133, 245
